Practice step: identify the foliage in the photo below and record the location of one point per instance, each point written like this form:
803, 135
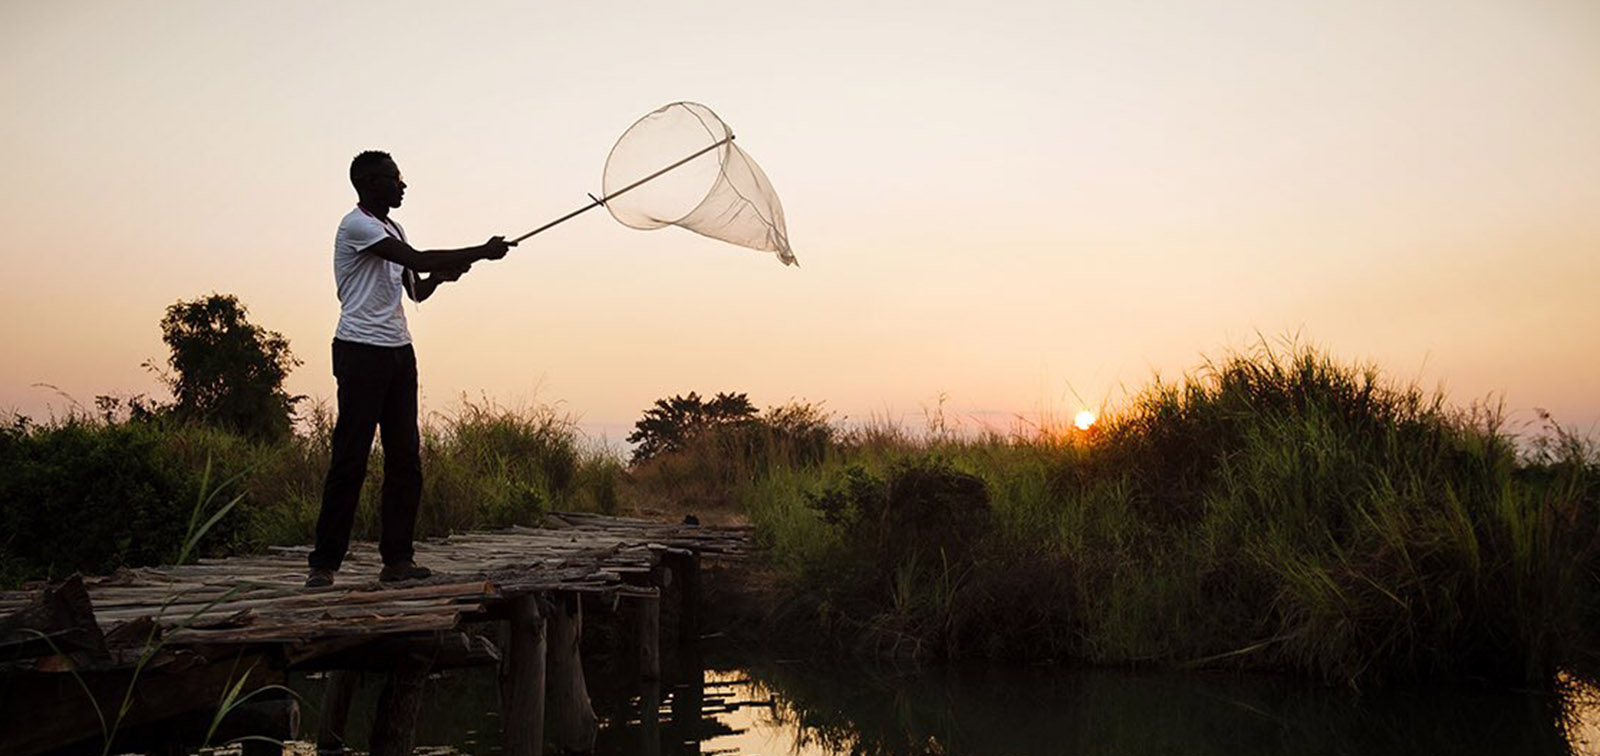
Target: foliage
1275, 510
83, 494
227, 371
672, 422
702, 468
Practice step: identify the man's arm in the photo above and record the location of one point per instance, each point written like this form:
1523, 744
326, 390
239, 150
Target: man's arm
397, 251
421, 288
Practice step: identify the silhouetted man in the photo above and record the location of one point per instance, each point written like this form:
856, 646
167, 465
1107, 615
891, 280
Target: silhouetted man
377, 370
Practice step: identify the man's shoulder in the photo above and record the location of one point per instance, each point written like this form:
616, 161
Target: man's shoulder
356, 218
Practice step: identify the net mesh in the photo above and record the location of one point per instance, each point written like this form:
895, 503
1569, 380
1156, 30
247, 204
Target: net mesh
721, 194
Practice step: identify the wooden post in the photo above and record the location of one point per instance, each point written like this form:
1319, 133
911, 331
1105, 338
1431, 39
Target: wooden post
341, 688
650, 718
688, 702
278, 720
394, 726
687, 566
646, 611
522, 691
573, 722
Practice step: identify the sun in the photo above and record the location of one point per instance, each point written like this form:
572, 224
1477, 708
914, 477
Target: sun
1084, 419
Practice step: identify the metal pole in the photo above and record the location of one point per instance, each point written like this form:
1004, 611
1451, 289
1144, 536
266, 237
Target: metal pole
620, 192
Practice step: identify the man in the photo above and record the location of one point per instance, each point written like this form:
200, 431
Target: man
376, 368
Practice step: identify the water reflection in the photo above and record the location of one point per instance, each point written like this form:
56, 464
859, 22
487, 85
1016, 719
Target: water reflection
744, 707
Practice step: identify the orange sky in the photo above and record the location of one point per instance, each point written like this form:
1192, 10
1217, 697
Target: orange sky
1017, 205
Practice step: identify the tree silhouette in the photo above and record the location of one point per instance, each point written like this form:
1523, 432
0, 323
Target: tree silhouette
673, 421
226, 371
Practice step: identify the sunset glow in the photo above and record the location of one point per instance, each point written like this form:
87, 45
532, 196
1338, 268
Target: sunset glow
1350, 172
1084, 420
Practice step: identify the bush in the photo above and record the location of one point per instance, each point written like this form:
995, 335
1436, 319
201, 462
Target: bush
92, 495
82, 496
1276, 510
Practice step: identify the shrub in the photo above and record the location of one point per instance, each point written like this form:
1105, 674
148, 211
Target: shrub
82, 496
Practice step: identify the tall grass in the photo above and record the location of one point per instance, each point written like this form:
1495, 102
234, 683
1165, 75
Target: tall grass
90, 493
1273, 510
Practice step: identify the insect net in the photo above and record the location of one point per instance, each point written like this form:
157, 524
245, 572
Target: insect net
720, 193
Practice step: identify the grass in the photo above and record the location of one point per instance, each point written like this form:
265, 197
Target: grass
1275, 509
90, 494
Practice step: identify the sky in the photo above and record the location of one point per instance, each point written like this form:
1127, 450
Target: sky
1002, 210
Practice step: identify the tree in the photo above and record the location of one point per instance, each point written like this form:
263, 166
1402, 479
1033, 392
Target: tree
225, 371
673, 421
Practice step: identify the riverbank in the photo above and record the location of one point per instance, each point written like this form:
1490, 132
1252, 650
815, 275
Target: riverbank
1272, 511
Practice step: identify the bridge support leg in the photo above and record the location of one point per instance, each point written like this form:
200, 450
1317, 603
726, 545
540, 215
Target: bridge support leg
522, 695
650, 719
394, 727
686, 568
341, 688
646, 616
573, 722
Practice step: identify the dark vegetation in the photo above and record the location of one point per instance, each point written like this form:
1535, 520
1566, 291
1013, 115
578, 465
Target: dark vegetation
1275, 510
93, 491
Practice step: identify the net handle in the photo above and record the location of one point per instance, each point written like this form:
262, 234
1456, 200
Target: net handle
602, 200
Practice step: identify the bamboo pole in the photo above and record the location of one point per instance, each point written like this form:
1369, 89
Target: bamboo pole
618, 193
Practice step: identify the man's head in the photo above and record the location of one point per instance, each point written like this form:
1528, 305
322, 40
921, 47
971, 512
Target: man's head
377, 180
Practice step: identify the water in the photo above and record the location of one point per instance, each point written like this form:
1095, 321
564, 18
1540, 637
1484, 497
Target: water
767, 706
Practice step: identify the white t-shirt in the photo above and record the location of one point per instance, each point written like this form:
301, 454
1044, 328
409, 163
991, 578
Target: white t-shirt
369, 286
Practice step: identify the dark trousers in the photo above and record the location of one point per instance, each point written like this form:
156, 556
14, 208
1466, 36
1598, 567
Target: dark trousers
377, 389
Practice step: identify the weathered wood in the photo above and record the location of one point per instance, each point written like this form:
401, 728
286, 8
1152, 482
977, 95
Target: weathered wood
686, 568
573, 723
645, 635
446, 649
523, 679
394, 725
649, 719
60, 620
340, 690
219, 608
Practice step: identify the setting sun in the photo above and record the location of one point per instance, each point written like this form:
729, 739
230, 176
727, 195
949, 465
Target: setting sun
1084, 419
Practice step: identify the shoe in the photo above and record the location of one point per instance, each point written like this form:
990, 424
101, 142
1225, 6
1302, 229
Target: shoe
320, 577
394, 573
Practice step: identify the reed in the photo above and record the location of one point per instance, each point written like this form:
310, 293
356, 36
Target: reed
1274, 509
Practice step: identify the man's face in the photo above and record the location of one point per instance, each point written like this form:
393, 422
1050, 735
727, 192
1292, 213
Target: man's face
386, 185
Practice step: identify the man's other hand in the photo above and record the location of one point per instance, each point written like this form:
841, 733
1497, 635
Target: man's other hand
451, 274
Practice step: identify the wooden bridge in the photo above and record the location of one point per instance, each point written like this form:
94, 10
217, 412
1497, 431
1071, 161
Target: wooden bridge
172, 640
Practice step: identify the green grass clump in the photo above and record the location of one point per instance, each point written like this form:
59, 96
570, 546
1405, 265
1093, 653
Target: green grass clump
94, 493
1274, 510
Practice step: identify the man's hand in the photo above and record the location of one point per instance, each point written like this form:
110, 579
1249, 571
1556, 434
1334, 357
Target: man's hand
450, 274
495, 248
